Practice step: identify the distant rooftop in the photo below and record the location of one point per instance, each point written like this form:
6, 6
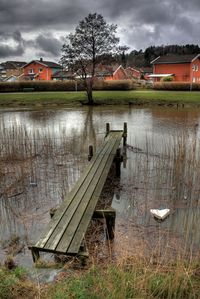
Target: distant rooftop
170, 59
50, 64
12, 64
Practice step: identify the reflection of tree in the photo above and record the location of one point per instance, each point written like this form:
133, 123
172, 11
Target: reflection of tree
89, 130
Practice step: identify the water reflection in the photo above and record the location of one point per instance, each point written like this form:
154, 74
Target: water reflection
42, 153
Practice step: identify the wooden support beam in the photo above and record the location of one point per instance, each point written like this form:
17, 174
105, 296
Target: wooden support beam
91, 153
52, 212
118, 160
125, 134
83, 257
35, 254
124, 155
110, 224
107, 129
104, 213
109, 215
83, 254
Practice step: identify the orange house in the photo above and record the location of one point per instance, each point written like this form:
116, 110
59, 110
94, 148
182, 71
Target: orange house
133, 72
183, 68
40, 70
111, 72
118, 74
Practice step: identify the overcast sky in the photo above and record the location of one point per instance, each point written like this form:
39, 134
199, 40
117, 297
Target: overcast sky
30, 29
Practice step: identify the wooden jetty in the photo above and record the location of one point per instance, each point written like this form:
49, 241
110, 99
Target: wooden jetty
66, 230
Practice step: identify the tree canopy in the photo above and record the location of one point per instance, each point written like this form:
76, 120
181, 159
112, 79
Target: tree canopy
84, 49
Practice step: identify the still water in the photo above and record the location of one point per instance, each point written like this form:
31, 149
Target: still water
43, 152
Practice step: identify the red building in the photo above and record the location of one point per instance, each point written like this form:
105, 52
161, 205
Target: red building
113, 72
183, 68
133, 72
119, 74
40, 70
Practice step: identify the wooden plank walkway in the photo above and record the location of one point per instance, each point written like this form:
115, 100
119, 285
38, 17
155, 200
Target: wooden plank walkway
66, 230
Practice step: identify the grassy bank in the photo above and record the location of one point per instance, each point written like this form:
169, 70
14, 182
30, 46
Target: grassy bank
101, 97
127, 280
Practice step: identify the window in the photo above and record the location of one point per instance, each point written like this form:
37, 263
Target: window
195, 67
193, 80
31, 71
40, 70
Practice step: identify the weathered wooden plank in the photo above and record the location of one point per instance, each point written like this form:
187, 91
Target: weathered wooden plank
61, 210
93, 201
82, 197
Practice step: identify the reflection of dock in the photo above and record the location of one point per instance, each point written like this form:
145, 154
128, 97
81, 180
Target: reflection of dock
66, 230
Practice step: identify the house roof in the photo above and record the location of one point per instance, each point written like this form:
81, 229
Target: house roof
146, 70
50, 64
10, 77
133, 68
170, 59
46, 63
104, 70
130, 71
12, 64
63, 74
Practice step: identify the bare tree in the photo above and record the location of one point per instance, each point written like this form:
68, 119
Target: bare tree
93, 38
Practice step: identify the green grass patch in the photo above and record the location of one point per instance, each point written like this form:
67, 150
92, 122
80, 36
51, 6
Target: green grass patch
129, 280
14, 285
117, 282
101, 97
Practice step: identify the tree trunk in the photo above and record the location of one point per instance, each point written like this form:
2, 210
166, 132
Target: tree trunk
89, 86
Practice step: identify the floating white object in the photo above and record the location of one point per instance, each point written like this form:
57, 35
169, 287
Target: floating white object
160, 214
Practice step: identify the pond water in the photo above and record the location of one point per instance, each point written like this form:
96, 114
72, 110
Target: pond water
43, 152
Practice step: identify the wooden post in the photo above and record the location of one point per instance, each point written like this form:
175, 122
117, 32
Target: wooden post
109, 215
90, 155
125, 134
110, 223
107, 129
83, 253
35, 254
124, 156
118, 162
52, 212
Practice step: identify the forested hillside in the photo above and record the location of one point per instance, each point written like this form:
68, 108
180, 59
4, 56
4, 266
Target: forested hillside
144, 57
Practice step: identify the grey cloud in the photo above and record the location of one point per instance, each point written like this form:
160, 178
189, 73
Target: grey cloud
7, 50
141, 23
49, 44
34, 14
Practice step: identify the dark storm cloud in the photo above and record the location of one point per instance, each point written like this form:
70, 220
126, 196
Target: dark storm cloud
39, 13
17, 49
141, 23
49, 44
